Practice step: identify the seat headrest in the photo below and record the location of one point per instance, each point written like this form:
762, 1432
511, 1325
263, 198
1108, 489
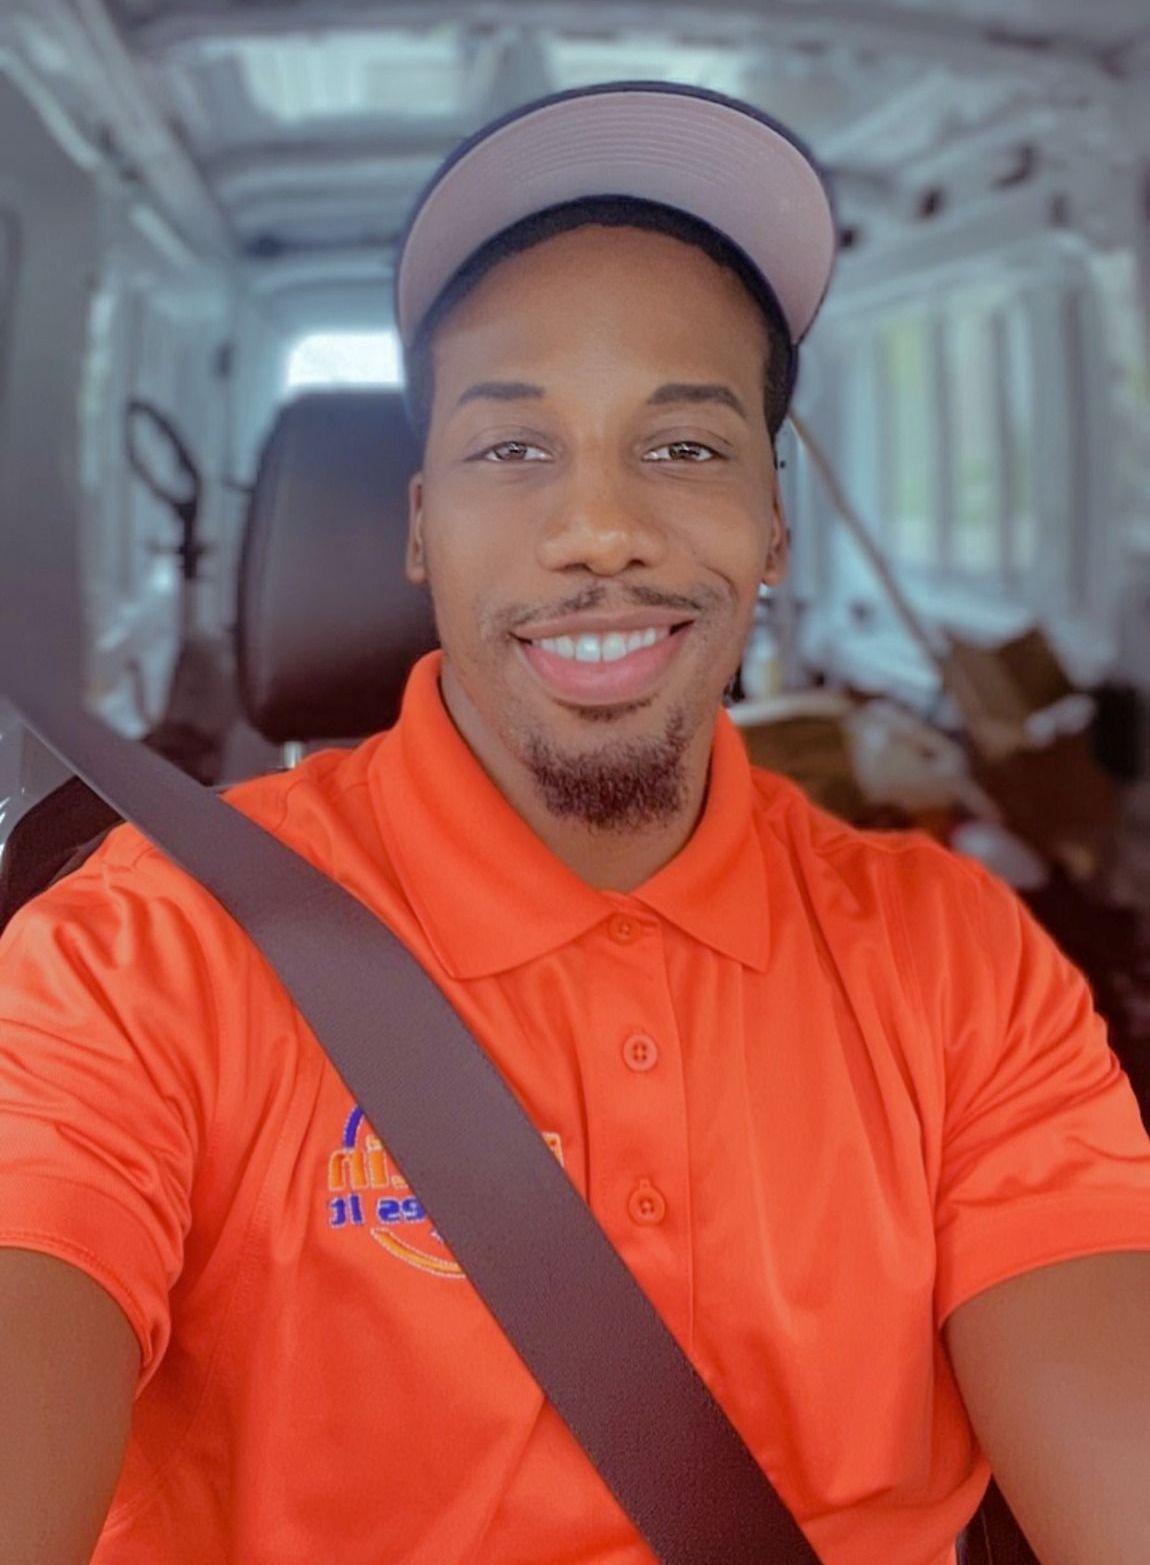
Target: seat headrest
328, 626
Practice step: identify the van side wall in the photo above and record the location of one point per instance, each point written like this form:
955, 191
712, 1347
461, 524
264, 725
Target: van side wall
100, 301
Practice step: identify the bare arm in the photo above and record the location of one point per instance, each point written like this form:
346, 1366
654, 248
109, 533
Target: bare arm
1054, 1367
69, 1361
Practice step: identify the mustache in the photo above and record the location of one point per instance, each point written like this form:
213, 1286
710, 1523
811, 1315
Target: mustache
599, 596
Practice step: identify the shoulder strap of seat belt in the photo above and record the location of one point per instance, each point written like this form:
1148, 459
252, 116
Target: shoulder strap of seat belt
523, 1235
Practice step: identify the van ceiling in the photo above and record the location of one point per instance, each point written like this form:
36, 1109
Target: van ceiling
314, 123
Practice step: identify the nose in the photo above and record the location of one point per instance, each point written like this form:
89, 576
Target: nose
601, 525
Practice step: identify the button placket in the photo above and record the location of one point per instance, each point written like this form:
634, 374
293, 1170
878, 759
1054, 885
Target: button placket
635, 1108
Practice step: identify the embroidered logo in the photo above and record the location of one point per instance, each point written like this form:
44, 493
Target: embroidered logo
366, 1190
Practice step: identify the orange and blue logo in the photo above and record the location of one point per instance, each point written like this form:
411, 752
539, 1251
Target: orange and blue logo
367, 1191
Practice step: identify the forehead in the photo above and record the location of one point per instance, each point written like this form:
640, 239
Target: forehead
642, 291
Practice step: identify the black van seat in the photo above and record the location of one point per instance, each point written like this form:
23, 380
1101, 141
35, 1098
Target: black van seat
65, 825
327, 625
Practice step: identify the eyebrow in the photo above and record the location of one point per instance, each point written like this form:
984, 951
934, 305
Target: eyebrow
683, 392
673, 391
501, 391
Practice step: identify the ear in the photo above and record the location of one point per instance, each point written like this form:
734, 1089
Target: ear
416, 566
779, 546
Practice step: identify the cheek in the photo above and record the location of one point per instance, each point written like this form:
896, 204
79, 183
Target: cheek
734, 543
464, 574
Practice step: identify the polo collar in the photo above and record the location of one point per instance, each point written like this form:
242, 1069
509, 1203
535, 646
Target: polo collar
488, 893
715, 888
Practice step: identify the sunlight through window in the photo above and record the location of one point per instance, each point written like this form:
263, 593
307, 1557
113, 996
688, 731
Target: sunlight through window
344, 359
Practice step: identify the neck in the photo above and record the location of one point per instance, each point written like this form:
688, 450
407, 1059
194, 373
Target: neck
612, 861
608, 860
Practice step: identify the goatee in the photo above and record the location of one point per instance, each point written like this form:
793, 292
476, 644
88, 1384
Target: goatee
627, 785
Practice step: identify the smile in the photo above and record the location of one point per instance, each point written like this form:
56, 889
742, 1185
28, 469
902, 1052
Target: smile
602, 649
603, 668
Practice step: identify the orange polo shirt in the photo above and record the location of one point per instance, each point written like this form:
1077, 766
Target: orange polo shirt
819, 1087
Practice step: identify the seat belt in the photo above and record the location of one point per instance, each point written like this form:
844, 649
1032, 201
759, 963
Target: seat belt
525, 1238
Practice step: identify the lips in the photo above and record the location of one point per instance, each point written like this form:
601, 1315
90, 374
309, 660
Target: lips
590, 668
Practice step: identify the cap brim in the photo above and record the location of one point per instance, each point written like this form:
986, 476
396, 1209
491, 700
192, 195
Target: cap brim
713, 157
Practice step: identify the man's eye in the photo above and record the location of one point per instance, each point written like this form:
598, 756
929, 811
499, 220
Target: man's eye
682, 451
513, 451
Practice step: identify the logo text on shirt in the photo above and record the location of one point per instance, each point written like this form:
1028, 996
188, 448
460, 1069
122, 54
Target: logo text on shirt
367, 1191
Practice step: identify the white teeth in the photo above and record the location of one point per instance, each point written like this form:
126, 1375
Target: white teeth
602, 649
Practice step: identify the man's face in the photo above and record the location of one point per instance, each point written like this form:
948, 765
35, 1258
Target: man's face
597, 507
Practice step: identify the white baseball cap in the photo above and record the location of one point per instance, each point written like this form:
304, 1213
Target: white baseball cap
716, 158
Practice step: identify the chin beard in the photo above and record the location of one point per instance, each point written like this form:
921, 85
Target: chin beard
625, 786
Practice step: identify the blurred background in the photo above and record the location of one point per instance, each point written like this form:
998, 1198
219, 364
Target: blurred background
199, 206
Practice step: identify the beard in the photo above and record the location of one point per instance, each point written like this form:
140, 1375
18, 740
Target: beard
624, 786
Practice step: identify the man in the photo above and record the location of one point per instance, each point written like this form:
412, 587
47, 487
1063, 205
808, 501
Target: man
844, 1111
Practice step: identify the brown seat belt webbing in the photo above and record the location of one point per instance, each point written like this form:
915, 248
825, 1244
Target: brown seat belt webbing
523, 1235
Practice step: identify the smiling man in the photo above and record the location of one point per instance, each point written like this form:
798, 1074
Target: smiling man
596, 520
843, 1110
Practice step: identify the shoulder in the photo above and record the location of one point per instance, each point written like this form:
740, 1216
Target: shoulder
904, 877
317, 809
974, 964
304, 807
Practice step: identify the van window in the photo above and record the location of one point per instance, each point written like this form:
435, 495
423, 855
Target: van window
1127, 342
911, 427
951, 408
343, 359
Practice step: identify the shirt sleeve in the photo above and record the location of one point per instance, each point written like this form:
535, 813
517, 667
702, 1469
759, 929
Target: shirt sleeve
1044, 1156
106, 1029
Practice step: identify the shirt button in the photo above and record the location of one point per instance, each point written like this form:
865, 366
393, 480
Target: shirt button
646, 1205
641, 1052
624, 931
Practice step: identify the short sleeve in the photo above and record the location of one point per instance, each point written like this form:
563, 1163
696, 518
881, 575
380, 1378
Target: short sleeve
1044, 1156
106, 1021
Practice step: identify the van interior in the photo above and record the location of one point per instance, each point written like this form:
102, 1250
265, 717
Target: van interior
200, 204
